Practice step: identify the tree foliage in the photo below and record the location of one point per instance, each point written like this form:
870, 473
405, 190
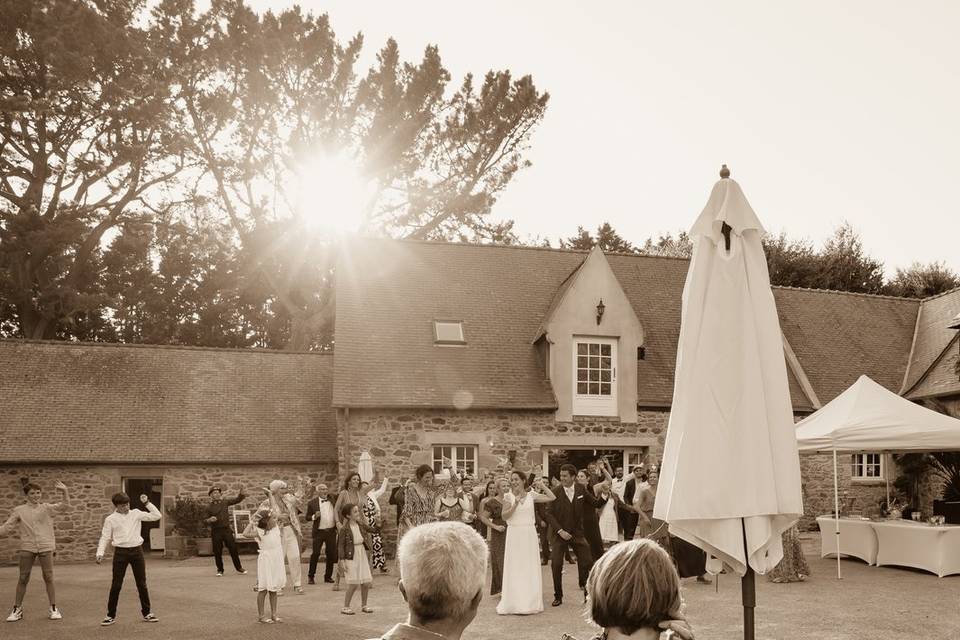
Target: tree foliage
153, 163
606, 238
923, 280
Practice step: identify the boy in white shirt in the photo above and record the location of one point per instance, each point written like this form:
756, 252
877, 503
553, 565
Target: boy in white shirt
122, 530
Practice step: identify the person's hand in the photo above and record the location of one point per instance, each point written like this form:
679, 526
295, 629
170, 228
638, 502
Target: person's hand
99, 559
500, 528
60, 486
144, 498
563, 534
315, 516
680, 627
211, 519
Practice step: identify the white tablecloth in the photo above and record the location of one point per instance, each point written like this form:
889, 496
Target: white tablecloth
857, 538
917, 545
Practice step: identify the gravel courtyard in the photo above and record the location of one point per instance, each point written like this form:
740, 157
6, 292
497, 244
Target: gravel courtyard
192, 603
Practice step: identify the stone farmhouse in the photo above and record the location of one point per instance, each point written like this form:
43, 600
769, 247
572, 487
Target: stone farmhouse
493, 357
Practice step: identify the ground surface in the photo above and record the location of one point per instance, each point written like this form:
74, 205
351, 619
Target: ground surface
870, 602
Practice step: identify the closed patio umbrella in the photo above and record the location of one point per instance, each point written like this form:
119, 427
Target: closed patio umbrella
730, 482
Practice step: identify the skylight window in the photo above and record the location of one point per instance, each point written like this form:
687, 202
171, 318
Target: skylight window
448, 332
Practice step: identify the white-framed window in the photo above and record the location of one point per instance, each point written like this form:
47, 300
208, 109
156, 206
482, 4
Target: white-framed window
462, 457
594, 376
448, 332
866, 466
632, 458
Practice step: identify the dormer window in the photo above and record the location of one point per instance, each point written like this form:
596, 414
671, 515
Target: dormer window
448, 332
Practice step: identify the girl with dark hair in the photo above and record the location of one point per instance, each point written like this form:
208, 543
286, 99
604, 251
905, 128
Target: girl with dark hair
271, 574
352, 547
350, 494
419, 500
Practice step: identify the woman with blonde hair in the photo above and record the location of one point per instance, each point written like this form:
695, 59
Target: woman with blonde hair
634, 593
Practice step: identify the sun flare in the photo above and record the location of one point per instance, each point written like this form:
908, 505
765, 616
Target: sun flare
332, 194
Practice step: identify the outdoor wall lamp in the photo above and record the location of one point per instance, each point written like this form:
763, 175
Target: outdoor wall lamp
600, 310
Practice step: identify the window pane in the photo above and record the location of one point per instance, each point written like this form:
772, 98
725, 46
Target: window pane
605, 349
604, 388
605, 376
582, 375
594, 362
594, 388
583, 361
582, 387
581, 348
605, 363
594, 349
594, 375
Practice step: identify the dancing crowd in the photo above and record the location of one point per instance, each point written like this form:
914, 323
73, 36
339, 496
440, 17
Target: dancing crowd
595, 515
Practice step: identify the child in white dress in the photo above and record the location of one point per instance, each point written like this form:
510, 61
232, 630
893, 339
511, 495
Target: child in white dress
352, 548
271, 573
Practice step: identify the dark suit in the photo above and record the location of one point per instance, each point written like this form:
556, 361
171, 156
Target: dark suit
322, 537
630, 519
397, 498
562, 515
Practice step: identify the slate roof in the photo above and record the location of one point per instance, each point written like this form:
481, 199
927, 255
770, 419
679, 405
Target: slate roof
933, 335
388, 293
85, 402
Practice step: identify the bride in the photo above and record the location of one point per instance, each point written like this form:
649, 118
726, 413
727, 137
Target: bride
522, 580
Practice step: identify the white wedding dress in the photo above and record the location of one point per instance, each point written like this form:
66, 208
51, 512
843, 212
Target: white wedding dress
522, 580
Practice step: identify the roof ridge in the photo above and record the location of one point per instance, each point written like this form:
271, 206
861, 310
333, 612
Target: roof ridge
845, 293
173, 347
941, 294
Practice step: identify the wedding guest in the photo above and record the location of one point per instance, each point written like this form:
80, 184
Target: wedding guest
221, 531
419, 501
320, 512
286, 506
350, 494
447, 506
271, 574
657, 529
352, 547
793, 567
591, 520
631, 490
469, 503
442, 569
609, 507
34, 520
397, 496
491, 514
371, 514
634, 592
121, 529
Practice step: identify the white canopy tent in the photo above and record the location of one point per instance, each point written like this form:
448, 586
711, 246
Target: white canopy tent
868, 417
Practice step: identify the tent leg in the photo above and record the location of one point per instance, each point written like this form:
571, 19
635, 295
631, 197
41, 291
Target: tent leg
836, 511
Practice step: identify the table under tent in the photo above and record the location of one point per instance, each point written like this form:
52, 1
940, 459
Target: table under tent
869, 418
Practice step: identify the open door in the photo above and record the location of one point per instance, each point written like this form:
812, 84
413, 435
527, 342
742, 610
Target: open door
153, 487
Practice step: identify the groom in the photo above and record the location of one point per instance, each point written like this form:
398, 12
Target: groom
565, 516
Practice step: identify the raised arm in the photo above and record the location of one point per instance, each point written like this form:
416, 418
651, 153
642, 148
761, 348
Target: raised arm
240, 497
546, 496
376, 493
152, 514
63, 504
12, 520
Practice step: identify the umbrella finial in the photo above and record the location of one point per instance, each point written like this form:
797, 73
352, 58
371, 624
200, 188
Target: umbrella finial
724, 172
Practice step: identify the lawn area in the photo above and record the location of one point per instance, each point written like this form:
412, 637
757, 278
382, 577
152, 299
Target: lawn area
192, 603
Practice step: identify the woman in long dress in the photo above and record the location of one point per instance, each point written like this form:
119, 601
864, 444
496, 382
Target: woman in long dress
608, 513
491, 515
522, 580
793, 567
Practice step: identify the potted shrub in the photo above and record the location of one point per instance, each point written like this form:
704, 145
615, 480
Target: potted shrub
188, 515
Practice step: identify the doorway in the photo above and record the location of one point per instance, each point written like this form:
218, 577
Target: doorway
153, 488
579, 457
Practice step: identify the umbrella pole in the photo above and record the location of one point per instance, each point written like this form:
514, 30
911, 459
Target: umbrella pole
748, 590
836, 511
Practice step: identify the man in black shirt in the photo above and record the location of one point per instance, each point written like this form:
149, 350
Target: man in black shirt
218, 517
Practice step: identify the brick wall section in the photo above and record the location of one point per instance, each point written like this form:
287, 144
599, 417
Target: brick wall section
400, 440
78, 529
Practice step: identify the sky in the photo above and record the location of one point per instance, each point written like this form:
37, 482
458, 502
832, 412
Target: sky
825, 112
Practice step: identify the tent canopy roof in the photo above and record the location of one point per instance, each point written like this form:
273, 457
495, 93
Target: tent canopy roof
868, 417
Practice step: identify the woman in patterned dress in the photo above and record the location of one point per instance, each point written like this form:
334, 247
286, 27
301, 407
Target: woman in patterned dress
418, 503
371, 515
447, 506
793, 567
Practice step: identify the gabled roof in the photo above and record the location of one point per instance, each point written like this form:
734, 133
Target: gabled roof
932, 336
389, 292
941, 378
96, 402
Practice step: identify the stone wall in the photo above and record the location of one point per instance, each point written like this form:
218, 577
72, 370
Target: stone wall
399, 441
78, 529
816, 471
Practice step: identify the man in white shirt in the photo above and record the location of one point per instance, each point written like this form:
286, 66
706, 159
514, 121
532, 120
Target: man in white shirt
320, 513
122, 530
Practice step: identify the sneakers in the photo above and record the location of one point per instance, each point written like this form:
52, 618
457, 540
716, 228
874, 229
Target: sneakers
219, 574
150, 618
242, 572
55, 614
15, 615
106, 622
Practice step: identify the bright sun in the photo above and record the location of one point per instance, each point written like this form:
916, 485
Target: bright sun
332, 195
